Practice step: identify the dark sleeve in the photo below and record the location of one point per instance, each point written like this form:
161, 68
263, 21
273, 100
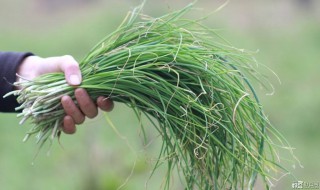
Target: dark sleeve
9, 62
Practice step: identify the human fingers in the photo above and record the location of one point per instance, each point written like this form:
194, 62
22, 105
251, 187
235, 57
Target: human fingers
71, 69
72, 110
69, 126
105, 104
85, 103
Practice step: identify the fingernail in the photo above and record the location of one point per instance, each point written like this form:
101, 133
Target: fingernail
74, 80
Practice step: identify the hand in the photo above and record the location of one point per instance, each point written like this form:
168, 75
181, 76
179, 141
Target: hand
34, 66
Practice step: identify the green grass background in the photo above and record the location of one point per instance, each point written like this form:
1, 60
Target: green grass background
286, 33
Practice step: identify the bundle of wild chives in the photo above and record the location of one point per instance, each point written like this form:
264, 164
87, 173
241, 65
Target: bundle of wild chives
181, 74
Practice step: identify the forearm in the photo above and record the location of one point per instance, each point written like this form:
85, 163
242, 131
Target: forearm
9, 63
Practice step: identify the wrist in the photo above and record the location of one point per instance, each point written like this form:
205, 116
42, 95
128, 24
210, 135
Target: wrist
28, 68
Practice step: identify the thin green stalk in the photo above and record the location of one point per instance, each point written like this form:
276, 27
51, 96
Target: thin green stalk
187, 78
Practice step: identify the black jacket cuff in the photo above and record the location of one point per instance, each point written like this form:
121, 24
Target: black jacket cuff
9, 62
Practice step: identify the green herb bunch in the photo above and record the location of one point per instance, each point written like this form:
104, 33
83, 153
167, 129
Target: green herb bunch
189, 82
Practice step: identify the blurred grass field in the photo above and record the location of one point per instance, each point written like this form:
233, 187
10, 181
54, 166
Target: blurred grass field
286, 33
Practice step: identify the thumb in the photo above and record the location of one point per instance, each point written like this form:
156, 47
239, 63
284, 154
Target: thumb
71, 70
